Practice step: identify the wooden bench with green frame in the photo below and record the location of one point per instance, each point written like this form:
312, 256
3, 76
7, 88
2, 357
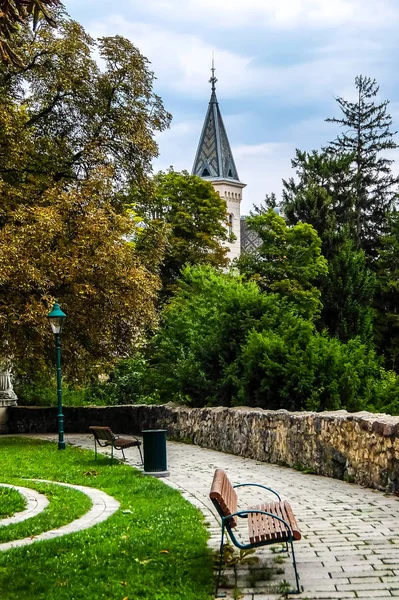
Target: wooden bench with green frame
268, 523
103, 436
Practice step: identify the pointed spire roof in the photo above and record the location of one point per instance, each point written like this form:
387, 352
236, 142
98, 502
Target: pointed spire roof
214, 159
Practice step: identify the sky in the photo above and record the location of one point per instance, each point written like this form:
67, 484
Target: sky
280, 64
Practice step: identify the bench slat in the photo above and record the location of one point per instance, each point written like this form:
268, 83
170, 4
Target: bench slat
224, 496
264, 528
290, 518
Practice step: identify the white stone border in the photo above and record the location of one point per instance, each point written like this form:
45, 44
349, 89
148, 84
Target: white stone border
35, 504
103, 507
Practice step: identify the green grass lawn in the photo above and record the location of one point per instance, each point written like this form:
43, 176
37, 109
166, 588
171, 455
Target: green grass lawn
11, 502
154, 547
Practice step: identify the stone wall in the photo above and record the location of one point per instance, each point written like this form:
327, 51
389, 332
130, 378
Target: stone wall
358, 447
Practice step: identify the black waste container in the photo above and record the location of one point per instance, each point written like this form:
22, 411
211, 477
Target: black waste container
154, 444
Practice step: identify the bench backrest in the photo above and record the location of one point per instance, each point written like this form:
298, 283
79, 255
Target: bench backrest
102, 433
224, 496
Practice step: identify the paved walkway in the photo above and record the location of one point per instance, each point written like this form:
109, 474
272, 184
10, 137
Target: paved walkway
350, 545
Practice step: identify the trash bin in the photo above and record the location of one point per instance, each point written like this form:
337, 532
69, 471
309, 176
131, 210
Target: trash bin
154, 445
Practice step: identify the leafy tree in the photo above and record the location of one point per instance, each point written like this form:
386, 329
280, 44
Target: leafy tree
387, 296
196, 217
74, 139
72, 245
295, 368
348, 295
15, 12
320, 195
202, 330
287, 262
367, 134
81, 117
225, 342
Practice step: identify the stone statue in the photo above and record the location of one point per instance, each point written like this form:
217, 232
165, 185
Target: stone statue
7, 395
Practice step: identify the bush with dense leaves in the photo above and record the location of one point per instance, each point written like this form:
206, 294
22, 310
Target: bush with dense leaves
224, 342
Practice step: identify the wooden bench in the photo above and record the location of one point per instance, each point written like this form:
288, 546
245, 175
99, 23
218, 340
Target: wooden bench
268, 523
103, 436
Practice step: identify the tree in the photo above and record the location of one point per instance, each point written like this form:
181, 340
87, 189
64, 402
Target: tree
223, 341
73, 142
348, 295
367, 135
196, 216
322, 196
387, 296
83, 118
72, 245
13, 14
287, 262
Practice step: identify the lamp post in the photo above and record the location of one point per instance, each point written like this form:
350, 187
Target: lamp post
56, 319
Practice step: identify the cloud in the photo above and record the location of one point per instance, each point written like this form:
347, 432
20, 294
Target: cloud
262, 167
184, 66
277, 14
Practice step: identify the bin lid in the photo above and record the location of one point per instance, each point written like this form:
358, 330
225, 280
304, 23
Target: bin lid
152, 430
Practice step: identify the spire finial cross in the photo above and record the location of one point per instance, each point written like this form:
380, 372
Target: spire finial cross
213, 79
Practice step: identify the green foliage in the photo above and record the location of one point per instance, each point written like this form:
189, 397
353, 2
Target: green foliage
287, 262
225, 342
387, 297
367, 134
126, 384
202, 330
75, 138
196, 217
320, 195
348, 295
153, 547
323, 196
15, 12
295, 368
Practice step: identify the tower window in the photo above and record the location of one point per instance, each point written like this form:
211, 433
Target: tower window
229, 174
205, 173
230, 223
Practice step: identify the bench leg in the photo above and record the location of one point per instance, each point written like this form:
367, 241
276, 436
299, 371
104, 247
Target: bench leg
220, 565
95, 448
123, 454
298, 589
141, 456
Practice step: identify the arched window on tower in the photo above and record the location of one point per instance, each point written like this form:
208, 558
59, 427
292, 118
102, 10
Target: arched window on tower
205, 173
230, 223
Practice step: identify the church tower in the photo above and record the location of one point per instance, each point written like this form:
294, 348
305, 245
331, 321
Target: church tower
214, 162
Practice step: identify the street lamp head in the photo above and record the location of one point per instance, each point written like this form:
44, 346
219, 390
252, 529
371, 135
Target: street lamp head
56, 318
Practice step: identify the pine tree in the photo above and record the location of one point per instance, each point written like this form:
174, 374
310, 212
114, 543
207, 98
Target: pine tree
320, 195
367, 134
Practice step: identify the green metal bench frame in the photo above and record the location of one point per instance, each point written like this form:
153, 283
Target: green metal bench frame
103, 436
229, 522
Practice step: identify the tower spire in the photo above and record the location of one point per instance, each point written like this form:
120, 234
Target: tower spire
213, 79
214, 158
